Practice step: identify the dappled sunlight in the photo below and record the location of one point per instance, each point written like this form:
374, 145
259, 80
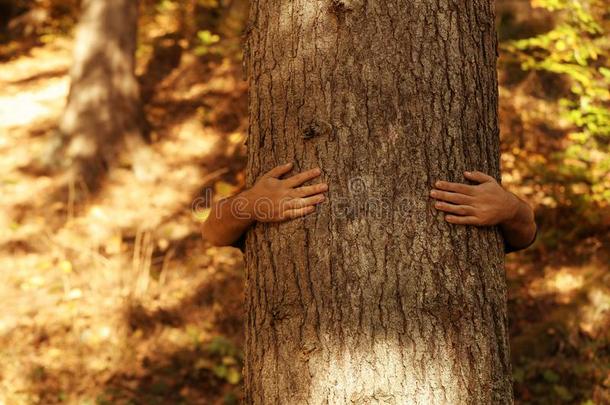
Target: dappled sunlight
199, 145
22, 150
78, 261
53, 57
563, 283
110, 293
595, 314
381, 372
33, 88
31, 106
560, 318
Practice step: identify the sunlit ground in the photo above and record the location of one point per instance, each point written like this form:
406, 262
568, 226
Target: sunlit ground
112, 297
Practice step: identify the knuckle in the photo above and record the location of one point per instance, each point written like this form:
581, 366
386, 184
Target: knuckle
458, 199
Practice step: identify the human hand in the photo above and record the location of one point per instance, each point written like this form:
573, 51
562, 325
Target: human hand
272, 199
484, 204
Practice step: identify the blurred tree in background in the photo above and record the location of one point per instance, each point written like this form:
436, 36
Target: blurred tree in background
103, 113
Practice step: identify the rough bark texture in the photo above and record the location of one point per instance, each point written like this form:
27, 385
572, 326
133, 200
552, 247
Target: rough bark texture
103, 106
374, 298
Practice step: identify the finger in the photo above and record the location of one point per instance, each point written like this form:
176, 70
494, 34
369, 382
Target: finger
455, 187
298, 212
479, 177
309, 190
301, 178
454, 209
468, 220
279, 171
455, 198
304, 202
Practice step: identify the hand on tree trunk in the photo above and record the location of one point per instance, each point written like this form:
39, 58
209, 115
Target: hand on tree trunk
271, 199
486, 204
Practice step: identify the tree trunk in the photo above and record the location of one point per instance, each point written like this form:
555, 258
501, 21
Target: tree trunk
103, 106
375, 298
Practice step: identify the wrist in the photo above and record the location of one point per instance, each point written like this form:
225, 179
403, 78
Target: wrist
514, 204
246, 209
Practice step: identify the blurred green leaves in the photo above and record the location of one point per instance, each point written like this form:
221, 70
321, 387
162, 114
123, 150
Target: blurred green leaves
578, 49
227, 360
206, 40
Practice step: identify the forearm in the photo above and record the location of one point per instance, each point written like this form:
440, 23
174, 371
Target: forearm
228, 220
270, 199
519, 230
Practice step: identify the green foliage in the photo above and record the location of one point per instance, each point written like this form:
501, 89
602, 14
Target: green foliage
221, 346
578, 48
230, 399
227, 360
208, 27
550, 376
206, 41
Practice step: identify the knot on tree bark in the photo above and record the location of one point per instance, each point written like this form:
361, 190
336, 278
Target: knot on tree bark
340, 7
315, 128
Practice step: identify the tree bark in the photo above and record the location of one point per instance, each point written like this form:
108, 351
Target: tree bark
103, 106
374, 298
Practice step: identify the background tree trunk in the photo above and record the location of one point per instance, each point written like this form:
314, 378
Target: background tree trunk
103, 104
375, 299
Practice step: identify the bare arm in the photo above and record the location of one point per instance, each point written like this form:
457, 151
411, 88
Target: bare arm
228, 220
271, 199
520, 230
486, 204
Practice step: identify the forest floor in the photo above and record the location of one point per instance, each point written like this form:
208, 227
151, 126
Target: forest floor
112, 297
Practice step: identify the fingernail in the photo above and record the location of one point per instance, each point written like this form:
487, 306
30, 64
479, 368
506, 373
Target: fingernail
432, 193
467, 173
288, 164
318, 171
437, 184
